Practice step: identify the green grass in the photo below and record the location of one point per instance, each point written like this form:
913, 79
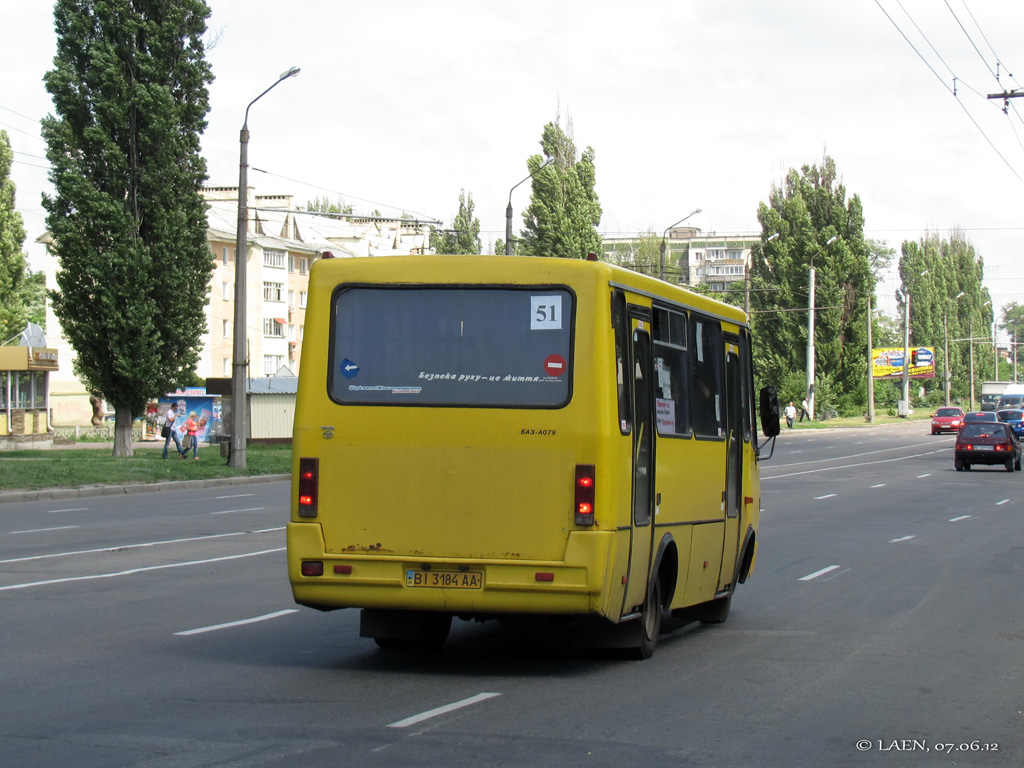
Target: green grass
881, 417
83, 467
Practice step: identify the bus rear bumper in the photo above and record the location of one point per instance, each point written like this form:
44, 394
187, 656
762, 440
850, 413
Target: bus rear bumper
462, 586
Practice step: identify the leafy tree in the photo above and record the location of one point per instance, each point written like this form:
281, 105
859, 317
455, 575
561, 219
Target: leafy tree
943, 279
808, 211
326, 205
464, 236
129, 86
641, 254
14, 313
564, 211
34, 291
1013, 324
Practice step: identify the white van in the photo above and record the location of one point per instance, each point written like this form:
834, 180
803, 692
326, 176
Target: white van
1012, 397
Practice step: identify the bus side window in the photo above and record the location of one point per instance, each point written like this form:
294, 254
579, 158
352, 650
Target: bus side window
670, 371
747, 387
706, 391
620, 326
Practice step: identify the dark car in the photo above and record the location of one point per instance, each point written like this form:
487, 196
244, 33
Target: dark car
987, 416
1015, 418
948, 419
986, 443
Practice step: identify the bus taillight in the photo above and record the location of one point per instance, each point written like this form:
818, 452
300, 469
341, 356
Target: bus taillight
309, 482
584, 503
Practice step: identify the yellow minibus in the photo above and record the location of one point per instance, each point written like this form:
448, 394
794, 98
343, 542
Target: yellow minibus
486, 437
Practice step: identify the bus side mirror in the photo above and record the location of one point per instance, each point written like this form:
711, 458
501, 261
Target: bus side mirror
769, 411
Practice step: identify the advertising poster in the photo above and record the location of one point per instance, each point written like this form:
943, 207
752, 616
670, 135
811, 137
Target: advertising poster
887, 363
202, 406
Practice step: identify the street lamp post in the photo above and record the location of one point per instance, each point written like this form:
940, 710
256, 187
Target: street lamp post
810, 326
871, 369
661, 270
508, 209
239, 406
904, 409
947, 376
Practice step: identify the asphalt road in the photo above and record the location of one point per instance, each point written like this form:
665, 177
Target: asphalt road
881, 625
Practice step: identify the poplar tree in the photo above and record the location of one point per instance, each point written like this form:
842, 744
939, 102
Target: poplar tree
564, 210
13, 311
807, 211
129, 87
943, 278
464, 236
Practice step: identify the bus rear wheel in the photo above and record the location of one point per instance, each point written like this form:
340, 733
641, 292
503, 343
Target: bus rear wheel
407, 630
648, 627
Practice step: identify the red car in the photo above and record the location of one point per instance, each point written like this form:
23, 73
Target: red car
947, 420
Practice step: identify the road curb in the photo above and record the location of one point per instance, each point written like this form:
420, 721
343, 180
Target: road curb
118, 490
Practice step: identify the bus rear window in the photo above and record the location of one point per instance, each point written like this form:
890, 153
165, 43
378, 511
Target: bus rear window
452, 346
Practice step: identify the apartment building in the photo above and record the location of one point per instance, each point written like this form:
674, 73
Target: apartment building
692, 257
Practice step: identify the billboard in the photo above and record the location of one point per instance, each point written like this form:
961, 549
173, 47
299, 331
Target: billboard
887, 363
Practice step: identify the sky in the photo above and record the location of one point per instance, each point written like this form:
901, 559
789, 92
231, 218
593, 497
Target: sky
401, 104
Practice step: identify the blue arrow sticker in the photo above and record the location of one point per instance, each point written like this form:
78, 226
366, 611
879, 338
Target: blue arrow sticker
349, 369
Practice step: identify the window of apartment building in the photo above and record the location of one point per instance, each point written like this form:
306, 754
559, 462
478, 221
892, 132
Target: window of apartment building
302, 299
291, 263
225, 365
273, 327
274, 258
302, 330
226, 291
272, 364
272, 291
303, 265
225, 328
226, 255
291, 299
734, 253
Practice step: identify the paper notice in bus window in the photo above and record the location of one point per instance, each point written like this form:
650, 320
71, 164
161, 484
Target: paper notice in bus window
545, 313
666, 416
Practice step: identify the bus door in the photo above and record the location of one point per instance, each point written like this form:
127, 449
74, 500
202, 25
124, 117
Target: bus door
641, 528
734, 462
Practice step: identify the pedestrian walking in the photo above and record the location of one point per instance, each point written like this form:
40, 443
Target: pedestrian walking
192, 430
804, 410
790, 414
171, 431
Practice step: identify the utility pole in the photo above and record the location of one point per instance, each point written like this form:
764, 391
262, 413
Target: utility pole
904, 409
1006, 96
871, 370
945, 353
810, 342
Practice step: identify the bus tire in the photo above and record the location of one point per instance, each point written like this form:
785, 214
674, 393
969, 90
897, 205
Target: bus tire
434, 634
648, 626
406, 630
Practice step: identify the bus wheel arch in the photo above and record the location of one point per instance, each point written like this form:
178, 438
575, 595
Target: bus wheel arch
666, 568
